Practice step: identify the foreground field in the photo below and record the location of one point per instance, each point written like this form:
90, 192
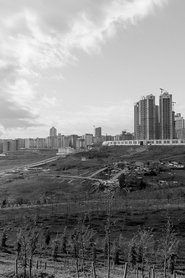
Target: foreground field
22, 158
55, 204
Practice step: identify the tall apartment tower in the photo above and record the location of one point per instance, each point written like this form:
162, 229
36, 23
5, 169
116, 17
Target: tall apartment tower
179, 126
98, 132
145, 118
166, 116
53, 131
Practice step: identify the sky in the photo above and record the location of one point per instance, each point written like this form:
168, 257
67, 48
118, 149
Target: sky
80, 64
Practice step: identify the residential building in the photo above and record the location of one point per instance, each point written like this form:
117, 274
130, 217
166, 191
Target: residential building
98, 132
80, 143
179, 126
145, 118
72, 140
40, 143
88, 139
9, 145
53, 132
166, 116
29, 143
127, 135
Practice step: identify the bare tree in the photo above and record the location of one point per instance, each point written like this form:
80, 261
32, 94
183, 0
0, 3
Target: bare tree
82, 240
26, 246
64, 241
168, 246
141, 248
55, 248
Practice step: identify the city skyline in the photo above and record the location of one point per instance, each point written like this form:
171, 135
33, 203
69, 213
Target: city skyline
78, 65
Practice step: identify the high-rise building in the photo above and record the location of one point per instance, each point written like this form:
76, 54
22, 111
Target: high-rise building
88, 139
179, 126
166, 116
157, 125
53, 131
52, 140
98, 132
145, 118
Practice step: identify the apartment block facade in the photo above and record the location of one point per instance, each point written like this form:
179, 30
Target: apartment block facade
153, 121
166, 117
145, 118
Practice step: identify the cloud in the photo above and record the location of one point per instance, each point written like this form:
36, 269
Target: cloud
13, 116
37, 40
37, 37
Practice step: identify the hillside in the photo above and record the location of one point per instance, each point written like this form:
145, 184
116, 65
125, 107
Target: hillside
58, 195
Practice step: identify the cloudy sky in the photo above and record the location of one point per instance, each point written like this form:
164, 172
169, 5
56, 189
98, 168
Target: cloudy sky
76, 64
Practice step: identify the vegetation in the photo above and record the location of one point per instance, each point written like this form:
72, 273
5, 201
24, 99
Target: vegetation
51, 225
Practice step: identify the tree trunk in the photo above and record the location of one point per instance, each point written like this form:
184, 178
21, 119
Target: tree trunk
153, 272
25, 266
137, 271
77, 268
165, 268
108, 257
94, 269
125, 270
16, 268
30, 268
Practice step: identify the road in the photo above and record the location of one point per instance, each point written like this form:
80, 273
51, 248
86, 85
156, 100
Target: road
42, 162
97, 172
124, 171
31, 165
79, 177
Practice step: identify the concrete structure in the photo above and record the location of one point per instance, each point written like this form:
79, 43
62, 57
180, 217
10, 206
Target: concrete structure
158, 142
179, 126
145, 118
166, 116
52, 142
29, 143
53, 132
40, 143
10, 145
80, 143
88, 139
127, 135
72, 140
98, 132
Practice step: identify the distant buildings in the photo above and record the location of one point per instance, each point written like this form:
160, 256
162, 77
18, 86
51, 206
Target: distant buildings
179, 126
53, 132
166, 119
144, 118
98, 133
52, 140
88, 138
152, 121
